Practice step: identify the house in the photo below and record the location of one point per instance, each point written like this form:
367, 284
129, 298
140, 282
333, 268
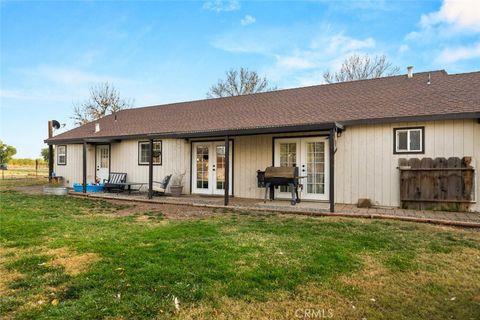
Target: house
346, 137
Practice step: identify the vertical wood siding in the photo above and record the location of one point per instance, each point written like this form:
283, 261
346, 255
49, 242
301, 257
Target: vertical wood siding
175, 159
72, 172
365, 155
124, 158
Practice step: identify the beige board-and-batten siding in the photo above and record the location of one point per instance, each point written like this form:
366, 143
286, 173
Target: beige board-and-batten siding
124, 158
365, 166
175, 160
72, 172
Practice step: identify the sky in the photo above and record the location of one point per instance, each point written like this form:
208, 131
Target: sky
157, 52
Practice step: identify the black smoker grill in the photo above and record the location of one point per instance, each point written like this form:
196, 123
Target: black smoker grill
280, 176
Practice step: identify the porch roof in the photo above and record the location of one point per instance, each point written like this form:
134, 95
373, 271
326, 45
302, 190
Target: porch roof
426, 96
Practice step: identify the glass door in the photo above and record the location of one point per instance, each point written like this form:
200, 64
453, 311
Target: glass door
314, 167
310, 155
209, 168
201, 161
286, 155
103, 162
219, 169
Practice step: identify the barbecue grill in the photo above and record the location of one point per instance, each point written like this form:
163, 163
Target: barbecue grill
280, 176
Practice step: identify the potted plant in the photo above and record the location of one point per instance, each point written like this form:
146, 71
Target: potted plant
176, 186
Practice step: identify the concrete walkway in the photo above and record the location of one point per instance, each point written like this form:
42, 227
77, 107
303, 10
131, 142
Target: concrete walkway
462, 219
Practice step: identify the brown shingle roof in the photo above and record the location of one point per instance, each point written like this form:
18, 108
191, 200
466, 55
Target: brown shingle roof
348, 102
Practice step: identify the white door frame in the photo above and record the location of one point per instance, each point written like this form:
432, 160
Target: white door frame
211, 167
100, 172
301, 163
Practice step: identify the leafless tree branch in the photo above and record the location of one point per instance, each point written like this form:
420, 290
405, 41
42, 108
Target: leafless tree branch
104, 99
239, 83
358, 67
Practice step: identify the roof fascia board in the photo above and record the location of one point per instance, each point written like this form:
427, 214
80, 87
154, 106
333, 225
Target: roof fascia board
269, 130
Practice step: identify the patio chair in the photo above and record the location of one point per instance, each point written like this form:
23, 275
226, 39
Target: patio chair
116, 182
159, 188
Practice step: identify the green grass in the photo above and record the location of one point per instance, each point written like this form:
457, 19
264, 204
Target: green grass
230, 265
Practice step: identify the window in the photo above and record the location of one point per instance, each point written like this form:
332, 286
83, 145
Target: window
408, 140
144, 152
61, 155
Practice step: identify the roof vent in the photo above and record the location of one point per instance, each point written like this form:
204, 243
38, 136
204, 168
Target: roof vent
97, 127
429, 79
410, 72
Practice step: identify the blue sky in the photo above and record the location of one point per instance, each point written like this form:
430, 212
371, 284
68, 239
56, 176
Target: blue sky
157, 52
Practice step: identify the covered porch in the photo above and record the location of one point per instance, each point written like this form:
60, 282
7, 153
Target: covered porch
241, 154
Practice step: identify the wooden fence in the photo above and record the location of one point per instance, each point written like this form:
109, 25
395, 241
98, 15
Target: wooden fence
437, 184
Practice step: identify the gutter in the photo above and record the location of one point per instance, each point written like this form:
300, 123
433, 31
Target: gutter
271, 129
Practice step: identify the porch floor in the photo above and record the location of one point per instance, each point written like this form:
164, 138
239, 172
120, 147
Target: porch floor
465, 219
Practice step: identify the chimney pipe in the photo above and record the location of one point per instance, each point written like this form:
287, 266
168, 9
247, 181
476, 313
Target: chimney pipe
97, 127
410, 72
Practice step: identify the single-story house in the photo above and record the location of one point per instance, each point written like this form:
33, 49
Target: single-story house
346, 138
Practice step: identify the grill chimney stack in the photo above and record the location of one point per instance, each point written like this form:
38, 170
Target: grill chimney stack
410, 72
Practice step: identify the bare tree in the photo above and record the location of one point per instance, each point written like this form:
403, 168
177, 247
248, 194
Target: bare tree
104, 99
239, 82
358, 67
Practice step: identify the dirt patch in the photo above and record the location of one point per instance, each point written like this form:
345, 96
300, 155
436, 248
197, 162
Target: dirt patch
72, 263
169, 211
311, 301
38, 189
7, 276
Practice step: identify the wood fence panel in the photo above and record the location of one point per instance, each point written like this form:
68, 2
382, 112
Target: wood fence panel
437, 184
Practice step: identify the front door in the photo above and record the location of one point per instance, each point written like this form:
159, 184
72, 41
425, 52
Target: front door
103, 162
208, 163
311, 156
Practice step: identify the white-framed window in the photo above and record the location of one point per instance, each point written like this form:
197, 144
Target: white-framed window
61, 155
409, 140
144, 152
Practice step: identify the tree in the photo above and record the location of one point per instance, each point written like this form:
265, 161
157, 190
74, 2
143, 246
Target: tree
239, 82
104, 99
358, 67
45, 154
6, 152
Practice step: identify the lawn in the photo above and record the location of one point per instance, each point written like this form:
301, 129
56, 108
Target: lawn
64, 257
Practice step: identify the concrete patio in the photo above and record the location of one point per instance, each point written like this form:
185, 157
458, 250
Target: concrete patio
462, 219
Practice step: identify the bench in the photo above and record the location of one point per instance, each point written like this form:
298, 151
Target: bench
116, 182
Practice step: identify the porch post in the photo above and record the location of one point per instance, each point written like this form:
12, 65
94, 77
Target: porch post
50, 162
150, 171
227, 169
331, 145
84, 174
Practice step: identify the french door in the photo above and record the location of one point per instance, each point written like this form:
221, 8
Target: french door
208, 164
311, 156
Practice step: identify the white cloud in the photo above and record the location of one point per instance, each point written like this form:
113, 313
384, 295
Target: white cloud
403, 48
221, 5
294, 62
460, 14
248, 19
450, 55
300, 52
67, 76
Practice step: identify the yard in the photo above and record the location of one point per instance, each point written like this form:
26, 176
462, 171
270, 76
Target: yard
65, 257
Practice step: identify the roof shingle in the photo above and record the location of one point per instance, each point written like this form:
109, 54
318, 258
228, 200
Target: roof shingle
388, 97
